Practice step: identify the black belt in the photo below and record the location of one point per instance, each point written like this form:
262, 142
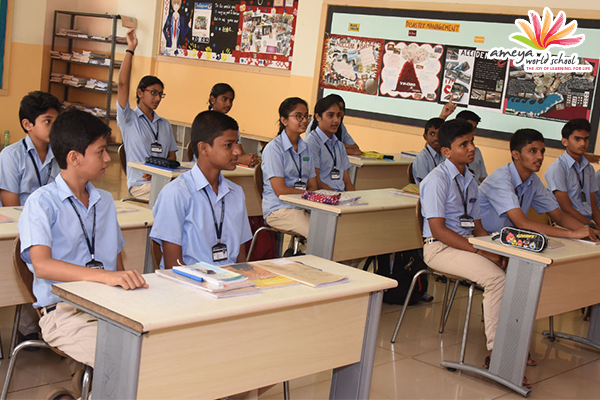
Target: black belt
48, 310
429, 240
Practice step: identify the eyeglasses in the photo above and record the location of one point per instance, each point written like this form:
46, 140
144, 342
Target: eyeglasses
155, 93
299, 117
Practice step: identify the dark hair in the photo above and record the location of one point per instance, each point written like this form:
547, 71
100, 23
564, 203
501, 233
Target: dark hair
209, 125
75, 130
323, 105
146, 81
578, 124
453, 129
523, 137
286, 107
35, 104
218, 90
338, 99
468, 115
433, 123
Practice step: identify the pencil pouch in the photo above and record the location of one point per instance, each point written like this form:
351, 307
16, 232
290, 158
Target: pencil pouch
331, 199
523, 238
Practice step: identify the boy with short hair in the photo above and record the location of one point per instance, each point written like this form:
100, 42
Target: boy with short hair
29, 163
571, 179
69, 232
201, 215
430, 157
509, 192
477, 166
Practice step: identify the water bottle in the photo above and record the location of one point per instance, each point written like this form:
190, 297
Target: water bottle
6, 139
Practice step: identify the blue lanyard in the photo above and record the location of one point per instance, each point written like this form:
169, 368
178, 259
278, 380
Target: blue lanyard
37, 171
218, 227
91, 245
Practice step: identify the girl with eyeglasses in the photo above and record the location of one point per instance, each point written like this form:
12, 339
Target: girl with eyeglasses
144, 132
288, 168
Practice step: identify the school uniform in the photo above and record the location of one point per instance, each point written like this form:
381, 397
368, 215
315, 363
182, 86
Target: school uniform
477, 167
598, 191
188, 213
504, 190
345, 136
55, 218
22, 171
141, 139
279, 159
445, 193
330, 157
577, 179
425, 162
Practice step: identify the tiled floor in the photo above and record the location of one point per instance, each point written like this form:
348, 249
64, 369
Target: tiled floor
408, 369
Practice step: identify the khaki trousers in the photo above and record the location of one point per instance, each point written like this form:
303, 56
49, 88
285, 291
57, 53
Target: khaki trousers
290, 219
476, 268
141, 192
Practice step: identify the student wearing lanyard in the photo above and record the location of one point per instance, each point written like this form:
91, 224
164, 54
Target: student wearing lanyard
58, 249
328, 153
288, 168
571, 177
144, 132
430, 157
201, 215
342, 133
509, 192
29, 164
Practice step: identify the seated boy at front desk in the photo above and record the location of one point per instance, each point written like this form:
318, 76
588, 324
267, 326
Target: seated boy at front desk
509, 192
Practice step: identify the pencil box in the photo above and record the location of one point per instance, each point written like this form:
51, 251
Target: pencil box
523, 238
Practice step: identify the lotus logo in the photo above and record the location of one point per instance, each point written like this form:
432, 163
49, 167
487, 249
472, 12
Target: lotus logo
541, 34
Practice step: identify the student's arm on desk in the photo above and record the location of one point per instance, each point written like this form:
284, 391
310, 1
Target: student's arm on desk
595, 209
171, 155
9, 199
280, 188
241, 258
46, 267
353, 150
564, 201
441, 232
320, 183
348, 185
575, 229
171, 254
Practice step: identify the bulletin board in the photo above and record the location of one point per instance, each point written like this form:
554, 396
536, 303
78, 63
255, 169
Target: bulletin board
6, 7
402, 66
247, 32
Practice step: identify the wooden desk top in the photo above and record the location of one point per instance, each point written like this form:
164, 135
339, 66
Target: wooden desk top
186, 166
571, 251
127, 220
398, 160
377, 199
167, 304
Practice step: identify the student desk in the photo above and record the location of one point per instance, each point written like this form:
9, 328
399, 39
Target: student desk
538, 285
134, 225
368, 173
171, 341
387, 224
242, 176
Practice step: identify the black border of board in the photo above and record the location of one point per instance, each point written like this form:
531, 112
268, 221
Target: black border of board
478, 17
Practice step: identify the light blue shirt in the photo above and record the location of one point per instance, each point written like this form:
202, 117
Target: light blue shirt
567, 175
18, 173
138, 135
279, 159
323, 150
183, 216
504, 190
48, 219
440, 198
477, 167
425, 162
346, 138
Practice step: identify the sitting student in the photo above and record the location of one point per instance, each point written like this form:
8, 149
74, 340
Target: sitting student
430, 157
571, 179
29, 163
288, 169
329, 157
342, 133
221, 99
144, 132
69, 232
201, 216
509, 192
450, 207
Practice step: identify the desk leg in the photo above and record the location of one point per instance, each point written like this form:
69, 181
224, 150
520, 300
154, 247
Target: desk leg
593, 338
353, 382
321, 234
148, 261
515, 326
157, 183
117, 364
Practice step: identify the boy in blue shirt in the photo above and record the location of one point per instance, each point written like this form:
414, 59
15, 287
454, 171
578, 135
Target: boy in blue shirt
509, 192
430, 157
477, 166
571, 179
201, 215
69, 232
29, 163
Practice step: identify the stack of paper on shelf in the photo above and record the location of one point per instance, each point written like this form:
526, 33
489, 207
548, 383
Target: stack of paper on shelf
56, 77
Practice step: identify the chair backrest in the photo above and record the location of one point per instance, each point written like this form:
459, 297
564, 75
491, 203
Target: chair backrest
122, 158
190, 152
411, 178
21, 268
258, 179
419, 217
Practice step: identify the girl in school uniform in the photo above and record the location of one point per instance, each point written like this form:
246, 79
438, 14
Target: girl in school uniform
221, 99
288, 168
342, 133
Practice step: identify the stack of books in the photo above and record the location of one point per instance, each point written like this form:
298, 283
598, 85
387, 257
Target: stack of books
410, 190
56, 77
72, 80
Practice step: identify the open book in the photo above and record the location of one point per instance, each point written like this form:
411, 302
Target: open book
302, 273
